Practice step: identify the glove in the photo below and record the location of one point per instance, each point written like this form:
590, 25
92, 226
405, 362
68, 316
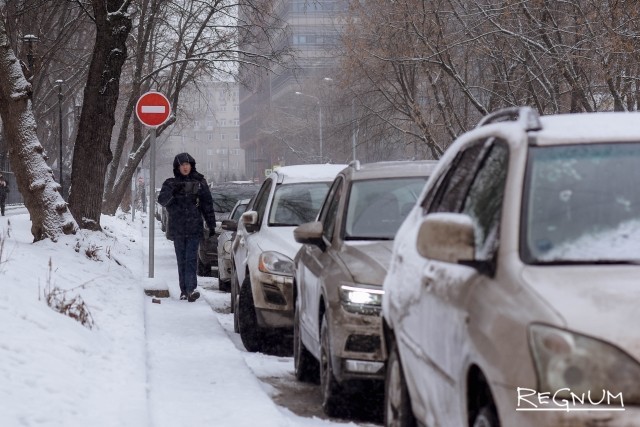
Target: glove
178, 188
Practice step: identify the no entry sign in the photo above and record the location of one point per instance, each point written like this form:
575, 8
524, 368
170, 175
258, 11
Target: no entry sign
153, 109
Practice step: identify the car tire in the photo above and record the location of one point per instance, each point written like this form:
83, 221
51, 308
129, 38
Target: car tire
224, 285
203, 270
332, 400
250, 333
233, 290
306, 366
397, 402
487, 417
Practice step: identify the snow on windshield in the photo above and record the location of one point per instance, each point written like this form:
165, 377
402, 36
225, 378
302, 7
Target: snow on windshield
621, 243
582, 203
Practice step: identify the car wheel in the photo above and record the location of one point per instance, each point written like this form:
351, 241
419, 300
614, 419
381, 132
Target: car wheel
235, 290
250, 333
224, 285
203, 270
305, 365
233, 285
332, 401
487, 417
397, 402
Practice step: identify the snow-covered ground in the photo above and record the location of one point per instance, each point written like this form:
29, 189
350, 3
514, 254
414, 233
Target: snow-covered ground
142, 363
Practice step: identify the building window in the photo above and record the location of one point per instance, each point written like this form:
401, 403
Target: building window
222, 136
237, 137
209, 152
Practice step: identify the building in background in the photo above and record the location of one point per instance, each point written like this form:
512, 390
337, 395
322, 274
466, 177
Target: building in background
313, 31
208, 129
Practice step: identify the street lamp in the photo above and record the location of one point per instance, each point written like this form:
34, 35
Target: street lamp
30, 39
319, 118
59, 83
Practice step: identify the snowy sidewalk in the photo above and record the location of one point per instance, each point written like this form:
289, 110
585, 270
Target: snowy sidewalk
196, 376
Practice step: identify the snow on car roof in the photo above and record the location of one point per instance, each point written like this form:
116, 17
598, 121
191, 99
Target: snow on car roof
395, 169
589, 127
302, 173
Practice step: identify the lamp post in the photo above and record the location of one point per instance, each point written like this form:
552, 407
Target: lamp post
319, 118
59, 83
30, 39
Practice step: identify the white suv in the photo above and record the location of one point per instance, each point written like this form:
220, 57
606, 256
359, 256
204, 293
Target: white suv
263, 251
513, 291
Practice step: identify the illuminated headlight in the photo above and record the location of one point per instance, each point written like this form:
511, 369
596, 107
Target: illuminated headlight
226, 246
567, 362
364, 299
276, 263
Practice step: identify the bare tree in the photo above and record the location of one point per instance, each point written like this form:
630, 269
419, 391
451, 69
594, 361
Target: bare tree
49, 214
92, 147
179, 44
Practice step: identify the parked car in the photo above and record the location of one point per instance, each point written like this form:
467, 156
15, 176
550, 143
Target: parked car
225, 196
228, 227
514, 279
339, 272
263, 256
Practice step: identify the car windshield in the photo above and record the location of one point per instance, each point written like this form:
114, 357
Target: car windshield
239, 211
582, 204
295, 204
377, 207
226, 197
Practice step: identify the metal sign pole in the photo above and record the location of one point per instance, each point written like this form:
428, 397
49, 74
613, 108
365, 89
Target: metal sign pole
152, 197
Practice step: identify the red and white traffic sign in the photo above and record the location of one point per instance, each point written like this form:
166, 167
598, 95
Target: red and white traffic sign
153, 109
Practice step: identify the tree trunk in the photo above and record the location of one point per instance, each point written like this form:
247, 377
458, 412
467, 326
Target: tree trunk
92, 147
49, 214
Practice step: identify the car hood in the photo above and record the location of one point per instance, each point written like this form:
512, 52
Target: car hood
600, 301
278, 239
367, 261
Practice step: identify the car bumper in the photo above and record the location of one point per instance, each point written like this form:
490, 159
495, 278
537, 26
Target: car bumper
273, 300
224, 269
577, 416
357, 347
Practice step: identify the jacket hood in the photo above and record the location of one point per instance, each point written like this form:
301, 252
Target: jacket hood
182, 158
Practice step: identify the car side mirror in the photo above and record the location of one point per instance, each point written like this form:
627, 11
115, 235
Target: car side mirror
310, 233
229, 225
447, 237
250, 221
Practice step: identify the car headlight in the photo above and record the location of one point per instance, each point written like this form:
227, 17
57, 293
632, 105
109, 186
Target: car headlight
360, 298
276, 263
226, 246
567, 363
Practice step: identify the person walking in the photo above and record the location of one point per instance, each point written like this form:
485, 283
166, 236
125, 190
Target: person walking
188, 200
4, 192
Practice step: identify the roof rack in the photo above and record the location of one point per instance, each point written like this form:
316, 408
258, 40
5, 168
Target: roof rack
355, 164
526, 116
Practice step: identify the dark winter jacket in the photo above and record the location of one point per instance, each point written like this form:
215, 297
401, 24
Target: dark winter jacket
188, 200
4, 190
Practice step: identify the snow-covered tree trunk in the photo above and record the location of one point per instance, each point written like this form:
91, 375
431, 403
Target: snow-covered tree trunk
92, 148
49, 214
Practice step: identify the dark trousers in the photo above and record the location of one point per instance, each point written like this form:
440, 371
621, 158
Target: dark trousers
187, 256
2, 200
